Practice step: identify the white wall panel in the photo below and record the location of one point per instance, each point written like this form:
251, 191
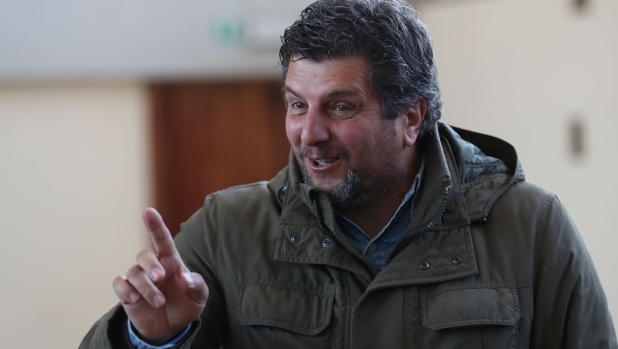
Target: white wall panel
74, 179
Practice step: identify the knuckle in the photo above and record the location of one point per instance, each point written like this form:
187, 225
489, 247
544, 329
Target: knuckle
199, 279
119, 286
149, 292
134, 271
116, 283
144, 255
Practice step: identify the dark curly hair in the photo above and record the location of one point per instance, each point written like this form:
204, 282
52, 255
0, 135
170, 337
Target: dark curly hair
386, 32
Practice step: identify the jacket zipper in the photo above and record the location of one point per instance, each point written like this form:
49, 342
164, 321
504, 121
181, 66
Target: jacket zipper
329, 232
426, 228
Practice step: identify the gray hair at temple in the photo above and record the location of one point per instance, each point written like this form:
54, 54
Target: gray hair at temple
386, 32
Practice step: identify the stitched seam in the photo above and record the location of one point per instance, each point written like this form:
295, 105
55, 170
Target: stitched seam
541, 231
241, 296
219, 248
492, 286
303, 259
480, 321
441, 227
285, 286
297, 223
435, 248
424, 271
485, 178
497, 193
348, 312
470, 249
458, 181
285, 325
425, 280
249, 185
461, 323
323, 322
294, 258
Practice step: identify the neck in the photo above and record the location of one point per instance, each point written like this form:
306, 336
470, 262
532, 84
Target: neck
374, 215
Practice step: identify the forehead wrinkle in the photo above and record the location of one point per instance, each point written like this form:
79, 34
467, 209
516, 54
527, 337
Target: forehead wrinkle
340, 78
331, 94
343, 93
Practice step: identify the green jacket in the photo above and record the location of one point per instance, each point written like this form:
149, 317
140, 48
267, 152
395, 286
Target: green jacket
488, 261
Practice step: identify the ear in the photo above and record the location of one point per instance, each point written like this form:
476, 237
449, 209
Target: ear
414, 118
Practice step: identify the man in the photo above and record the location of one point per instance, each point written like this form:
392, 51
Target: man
387, 229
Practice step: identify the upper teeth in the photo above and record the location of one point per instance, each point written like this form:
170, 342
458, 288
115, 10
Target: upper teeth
323, 162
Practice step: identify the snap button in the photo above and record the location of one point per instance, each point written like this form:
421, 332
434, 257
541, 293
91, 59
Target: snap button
372, 247
326, 242
423, 265
284, 189
295, 239
480, 221
457, 260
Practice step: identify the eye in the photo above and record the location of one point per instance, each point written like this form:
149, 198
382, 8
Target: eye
297, 105
341, 108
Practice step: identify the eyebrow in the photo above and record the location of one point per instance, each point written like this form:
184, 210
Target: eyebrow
287, 89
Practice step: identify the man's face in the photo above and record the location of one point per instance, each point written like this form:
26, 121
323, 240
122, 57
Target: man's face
334, 122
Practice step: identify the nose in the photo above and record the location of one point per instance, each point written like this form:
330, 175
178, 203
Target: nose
315, 128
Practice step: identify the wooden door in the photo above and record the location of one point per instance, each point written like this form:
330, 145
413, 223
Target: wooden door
211, 136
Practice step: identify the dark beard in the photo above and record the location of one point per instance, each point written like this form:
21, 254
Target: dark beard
352, 192
361, 185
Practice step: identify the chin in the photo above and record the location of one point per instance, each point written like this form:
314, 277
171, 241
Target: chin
325, 187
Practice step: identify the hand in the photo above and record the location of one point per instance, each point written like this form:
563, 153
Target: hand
159, 294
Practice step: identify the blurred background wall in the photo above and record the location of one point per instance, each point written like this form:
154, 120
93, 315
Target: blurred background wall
76, 133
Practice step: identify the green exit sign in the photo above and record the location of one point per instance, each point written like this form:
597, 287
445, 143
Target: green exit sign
227, 30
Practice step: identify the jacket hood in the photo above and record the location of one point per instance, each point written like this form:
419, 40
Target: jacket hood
483, 167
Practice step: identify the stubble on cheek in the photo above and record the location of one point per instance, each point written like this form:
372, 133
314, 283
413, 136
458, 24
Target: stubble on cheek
373, 172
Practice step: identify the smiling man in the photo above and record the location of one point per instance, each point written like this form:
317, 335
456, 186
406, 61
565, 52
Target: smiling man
388, 229
343, 144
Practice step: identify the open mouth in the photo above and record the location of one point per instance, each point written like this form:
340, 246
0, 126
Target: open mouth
322, 162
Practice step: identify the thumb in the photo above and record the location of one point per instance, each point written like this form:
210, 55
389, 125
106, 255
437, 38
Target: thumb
196, 287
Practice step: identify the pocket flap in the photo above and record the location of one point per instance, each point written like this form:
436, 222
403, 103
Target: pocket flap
292, 310
471, 307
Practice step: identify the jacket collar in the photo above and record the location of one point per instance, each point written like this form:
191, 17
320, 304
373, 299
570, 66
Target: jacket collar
308, 224
460, 184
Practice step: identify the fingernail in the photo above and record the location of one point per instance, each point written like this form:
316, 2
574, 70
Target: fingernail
154, 274
189, 278
158, 300
134, 297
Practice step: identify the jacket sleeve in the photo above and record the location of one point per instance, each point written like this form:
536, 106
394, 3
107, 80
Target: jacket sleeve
570, 305
196, 245
111, 332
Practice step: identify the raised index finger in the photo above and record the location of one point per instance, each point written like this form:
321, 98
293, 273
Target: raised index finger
159, 234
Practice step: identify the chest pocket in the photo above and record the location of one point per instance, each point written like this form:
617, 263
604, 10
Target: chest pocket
291, 318
471, 318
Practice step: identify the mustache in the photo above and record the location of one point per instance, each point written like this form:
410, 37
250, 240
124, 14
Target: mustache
324, 152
